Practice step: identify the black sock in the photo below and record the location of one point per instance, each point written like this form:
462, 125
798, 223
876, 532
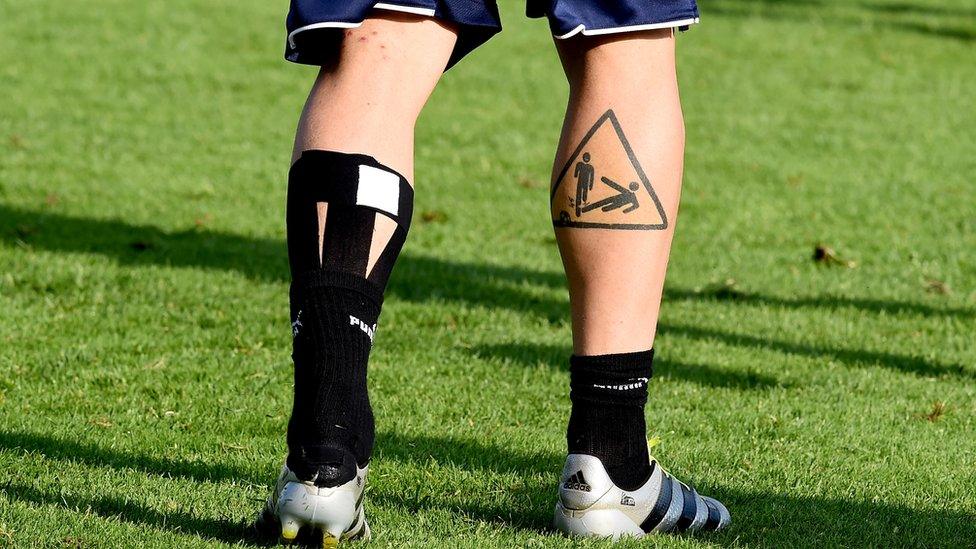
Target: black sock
340, 265
608, 393
332, 422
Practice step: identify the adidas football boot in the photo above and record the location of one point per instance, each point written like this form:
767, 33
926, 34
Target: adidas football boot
590, 504
334, 512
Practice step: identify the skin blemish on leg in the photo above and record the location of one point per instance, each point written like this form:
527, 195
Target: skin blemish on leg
363, 38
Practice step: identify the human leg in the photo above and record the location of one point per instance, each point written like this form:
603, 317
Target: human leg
368, 98
623, 119
365, 104
349, 208
616, 276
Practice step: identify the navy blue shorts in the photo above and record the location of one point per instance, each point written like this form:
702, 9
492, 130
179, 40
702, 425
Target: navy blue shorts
313, 24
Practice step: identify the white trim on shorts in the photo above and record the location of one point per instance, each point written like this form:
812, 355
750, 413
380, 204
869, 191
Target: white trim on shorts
429, 12
629, 28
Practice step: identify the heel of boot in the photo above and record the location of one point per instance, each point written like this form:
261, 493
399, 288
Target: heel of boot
598, 523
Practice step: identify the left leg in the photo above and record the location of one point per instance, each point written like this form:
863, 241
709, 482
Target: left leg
624, 123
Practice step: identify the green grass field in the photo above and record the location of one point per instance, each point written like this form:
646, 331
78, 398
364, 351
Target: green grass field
144, 339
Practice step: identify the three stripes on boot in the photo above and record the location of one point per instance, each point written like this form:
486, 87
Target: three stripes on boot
679, 508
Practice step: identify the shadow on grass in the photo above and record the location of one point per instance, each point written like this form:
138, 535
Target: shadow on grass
908, 17
533, 354
850, 357
960, 33
460, 454
418, 278
421, 279
89, 453
824, 302
127, 511
921, 8
760, 518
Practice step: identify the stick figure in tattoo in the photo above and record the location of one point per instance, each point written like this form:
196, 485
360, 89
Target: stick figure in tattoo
624, 197
584, 174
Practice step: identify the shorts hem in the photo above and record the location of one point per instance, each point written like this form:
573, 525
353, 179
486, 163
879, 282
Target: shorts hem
475, 27
429, 12
581, 28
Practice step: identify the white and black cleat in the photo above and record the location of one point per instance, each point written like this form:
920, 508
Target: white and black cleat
590, 504
336, 513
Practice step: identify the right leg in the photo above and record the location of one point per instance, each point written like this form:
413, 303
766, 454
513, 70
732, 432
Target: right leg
349, 208
365, 103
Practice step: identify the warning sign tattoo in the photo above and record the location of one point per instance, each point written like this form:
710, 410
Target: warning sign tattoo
603, 186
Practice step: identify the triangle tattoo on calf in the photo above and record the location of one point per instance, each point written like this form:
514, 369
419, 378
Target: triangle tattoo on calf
603, 186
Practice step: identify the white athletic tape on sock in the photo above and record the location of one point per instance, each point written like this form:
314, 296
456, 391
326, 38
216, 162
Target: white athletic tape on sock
378, 189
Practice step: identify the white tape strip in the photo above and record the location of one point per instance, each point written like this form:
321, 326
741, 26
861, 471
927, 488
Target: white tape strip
378, 189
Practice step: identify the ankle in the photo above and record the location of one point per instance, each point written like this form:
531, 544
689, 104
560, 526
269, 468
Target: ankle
607, 419
324, 465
